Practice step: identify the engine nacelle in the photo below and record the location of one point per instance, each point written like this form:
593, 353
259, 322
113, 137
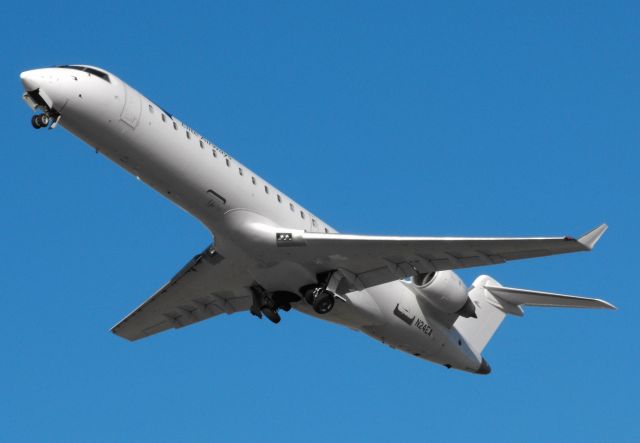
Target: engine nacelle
446, 292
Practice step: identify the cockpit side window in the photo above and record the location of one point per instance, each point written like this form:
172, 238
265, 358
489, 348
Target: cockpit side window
103, 75
77, 68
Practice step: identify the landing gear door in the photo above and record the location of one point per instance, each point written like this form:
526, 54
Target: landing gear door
132, 107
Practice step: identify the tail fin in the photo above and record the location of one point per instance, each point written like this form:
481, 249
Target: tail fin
493, 301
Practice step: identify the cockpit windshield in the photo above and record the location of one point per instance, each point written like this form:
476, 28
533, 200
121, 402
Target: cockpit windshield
92, 71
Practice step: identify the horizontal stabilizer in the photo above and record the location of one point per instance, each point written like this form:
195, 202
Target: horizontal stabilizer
516, 297
494, 301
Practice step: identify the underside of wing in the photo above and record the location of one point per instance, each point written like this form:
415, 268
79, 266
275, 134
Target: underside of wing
364, 261
207, 286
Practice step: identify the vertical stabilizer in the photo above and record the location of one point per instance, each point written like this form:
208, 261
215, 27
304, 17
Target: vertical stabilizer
478, 331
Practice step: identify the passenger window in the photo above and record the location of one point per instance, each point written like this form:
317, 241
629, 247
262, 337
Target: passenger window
291, 206
164, 118
326, 231
201, 144
228, 162
240, 171
213, 151
175, 126
188, 134
279, 198
151, 109
302, 214
266, 189
253, 180
313, 222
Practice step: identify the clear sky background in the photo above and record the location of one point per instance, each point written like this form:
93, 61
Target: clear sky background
489, 119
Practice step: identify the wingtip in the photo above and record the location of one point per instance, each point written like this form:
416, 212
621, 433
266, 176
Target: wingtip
590, 239
607, 305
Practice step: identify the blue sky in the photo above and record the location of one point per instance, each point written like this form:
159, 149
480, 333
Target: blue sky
400, 118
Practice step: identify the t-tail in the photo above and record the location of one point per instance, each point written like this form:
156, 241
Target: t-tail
494, 301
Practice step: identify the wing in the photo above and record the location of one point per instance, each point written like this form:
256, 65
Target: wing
207, 286
365, 261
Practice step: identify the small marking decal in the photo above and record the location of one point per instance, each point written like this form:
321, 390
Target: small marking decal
285, 239
284, 236
424, 327
403, 315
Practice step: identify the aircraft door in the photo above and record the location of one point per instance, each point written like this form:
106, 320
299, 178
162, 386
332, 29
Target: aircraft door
132, 107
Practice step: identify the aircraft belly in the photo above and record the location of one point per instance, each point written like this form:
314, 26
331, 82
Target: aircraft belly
405, 328
358, 312
281, 276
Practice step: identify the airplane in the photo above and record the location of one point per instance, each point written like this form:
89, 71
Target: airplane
269, 254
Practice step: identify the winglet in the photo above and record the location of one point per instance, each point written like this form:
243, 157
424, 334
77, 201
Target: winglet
590, 239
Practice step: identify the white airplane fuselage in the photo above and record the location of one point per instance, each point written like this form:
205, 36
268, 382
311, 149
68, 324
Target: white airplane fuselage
236, 205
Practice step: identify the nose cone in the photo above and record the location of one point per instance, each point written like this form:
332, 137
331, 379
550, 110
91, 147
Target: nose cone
51, 88
30, 79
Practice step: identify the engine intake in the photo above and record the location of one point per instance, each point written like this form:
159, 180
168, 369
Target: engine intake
446, 292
